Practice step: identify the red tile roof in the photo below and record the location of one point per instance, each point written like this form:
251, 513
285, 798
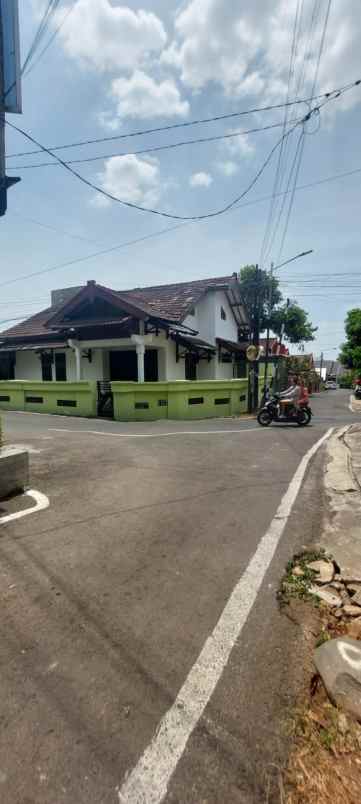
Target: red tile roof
165, 301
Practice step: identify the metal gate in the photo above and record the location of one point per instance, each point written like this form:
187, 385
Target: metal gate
105, 406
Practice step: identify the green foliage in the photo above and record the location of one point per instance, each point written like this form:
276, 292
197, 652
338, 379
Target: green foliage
350, 355
261, 292
258, 289
345, 381
293, 321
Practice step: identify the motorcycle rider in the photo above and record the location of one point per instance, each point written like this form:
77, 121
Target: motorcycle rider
292, 394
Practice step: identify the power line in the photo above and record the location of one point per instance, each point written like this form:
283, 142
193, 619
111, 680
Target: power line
170, 229
282, 166
140, 208
51, 40
152, 149
322, 43
54, 228
162, 213
40, 33
185, 124
277, 174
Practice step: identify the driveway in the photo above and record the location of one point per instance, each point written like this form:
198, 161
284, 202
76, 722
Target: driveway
110, 596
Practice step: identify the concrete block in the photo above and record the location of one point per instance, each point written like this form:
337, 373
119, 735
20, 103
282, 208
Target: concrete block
14, 470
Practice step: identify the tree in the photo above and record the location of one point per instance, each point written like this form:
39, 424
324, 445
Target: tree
261, 294
292, 321
350, 355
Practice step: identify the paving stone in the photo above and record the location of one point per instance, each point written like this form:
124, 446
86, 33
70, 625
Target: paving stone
328, 595
325, 571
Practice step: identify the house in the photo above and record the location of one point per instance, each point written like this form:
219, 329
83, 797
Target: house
275, 347
186, 330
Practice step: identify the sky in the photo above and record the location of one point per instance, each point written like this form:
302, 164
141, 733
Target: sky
115, 68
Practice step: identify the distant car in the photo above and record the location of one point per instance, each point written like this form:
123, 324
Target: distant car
331, 385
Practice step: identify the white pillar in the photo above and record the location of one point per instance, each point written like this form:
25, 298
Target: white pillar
77, 351
139, 341
140, 348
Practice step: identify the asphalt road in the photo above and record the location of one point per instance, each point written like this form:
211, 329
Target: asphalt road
109, 596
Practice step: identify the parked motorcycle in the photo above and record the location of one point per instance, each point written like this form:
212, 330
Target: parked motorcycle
358, 392
272, 411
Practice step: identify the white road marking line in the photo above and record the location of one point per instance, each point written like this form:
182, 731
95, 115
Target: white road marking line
148, 782
41, 502
154, 435
350, 404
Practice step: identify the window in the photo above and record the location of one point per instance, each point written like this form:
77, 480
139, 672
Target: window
60, 367
196, 400
223, 314
222, 401
34, 400
46, 367
141, 405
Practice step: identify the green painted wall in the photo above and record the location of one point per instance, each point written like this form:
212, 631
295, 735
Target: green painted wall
49, 397
132, 401
179, 399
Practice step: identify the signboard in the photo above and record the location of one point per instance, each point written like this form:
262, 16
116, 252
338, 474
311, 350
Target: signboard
11, 56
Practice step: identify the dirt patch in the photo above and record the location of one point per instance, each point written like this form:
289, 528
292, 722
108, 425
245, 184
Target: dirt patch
324, 766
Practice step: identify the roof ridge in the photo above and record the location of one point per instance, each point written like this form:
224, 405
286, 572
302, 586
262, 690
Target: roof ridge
177, 284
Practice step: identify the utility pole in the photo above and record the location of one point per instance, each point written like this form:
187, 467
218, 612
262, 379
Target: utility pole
255, 339
2, 125
321, 365
10, 94
270, 301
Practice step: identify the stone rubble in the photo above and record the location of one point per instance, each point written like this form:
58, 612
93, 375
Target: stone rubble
341, 591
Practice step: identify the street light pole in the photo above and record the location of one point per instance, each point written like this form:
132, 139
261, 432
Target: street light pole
272, 269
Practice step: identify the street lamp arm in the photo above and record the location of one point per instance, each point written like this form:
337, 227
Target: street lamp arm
302, 254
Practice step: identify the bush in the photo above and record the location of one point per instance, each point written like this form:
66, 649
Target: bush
345, 381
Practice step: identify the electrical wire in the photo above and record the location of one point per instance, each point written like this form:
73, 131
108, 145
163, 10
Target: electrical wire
170, 229
302, 144
280, 153
322, 44
53, 228
185, 124
163, 213
40, 33
51, 40
152, 149
160, 213
286, 149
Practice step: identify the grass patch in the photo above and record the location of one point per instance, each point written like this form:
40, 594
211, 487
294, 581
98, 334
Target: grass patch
298, 586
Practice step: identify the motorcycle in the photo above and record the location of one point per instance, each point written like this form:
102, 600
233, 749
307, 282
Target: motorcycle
358, 392
272, 411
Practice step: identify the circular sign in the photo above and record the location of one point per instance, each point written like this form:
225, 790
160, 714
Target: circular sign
253, 353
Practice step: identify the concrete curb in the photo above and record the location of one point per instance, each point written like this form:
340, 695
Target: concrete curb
341, 534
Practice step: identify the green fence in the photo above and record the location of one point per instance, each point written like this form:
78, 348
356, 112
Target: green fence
179, 399
67, 398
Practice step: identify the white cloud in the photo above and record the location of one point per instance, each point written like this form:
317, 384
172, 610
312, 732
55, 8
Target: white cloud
131, 179
238, 147
245, 48
141, 96
112, 37
228, 168
200, 179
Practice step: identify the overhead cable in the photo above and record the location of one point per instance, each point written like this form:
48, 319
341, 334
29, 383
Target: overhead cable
169, 229
152, 149
184, 124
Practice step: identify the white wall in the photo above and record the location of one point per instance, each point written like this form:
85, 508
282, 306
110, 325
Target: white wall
28, 366
224, 329
207, 320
